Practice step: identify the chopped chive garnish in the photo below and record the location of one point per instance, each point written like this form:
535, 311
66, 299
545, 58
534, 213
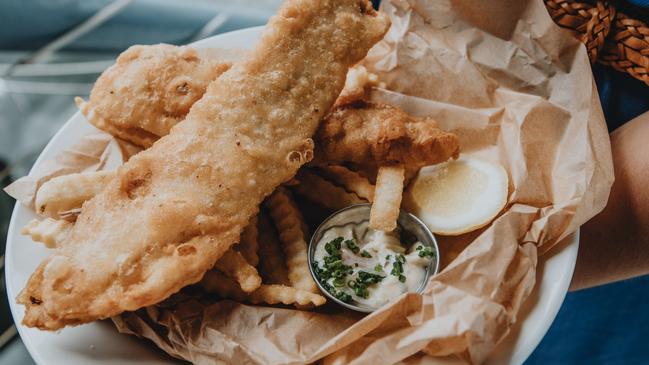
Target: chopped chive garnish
334, 268
397, 268
334, 274
425, 251
342, 296
333, 247
368, 278
339, 282
352, 246
360, 289
364, 279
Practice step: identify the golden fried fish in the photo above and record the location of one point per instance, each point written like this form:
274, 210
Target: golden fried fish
174, 209
368, 133
150, 89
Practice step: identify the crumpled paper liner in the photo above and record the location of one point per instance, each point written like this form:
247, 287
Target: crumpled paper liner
94, 152
246, 333
517, 91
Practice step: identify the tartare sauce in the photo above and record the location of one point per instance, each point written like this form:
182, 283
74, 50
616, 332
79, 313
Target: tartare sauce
368, 267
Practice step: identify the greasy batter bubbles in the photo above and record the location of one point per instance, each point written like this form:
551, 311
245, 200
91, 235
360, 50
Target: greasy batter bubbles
192, 187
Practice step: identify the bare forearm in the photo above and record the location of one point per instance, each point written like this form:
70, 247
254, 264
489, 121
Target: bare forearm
615, 244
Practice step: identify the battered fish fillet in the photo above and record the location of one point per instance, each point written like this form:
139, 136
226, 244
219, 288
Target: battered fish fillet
150, 89
175, 208
367, 133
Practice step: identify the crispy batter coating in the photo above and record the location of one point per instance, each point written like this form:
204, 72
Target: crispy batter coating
150, 89
174, 209
373, 133
52, 232
168, 81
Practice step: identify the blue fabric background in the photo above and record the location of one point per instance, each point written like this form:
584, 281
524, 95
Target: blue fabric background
603, 325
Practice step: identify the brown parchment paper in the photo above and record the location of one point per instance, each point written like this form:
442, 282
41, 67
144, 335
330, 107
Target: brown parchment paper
517, 91
93, 152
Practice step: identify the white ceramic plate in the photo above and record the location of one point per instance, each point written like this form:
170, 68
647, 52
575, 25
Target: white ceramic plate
99, 343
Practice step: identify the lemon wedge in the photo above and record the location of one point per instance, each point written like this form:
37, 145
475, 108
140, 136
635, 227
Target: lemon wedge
458, 196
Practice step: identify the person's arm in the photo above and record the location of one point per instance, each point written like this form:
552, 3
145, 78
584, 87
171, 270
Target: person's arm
614, 245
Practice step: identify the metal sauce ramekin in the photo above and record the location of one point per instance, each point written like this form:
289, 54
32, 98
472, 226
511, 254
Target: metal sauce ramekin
359, 213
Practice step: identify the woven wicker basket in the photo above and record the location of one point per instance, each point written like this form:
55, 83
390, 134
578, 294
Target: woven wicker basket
611, 37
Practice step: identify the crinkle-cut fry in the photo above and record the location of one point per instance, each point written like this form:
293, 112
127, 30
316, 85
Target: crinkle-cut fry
248, 245
275, 294
289, 223
51, 232
217, 283
272, 265
387, 198
351, 180
68, 192
234, 265
324, 192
